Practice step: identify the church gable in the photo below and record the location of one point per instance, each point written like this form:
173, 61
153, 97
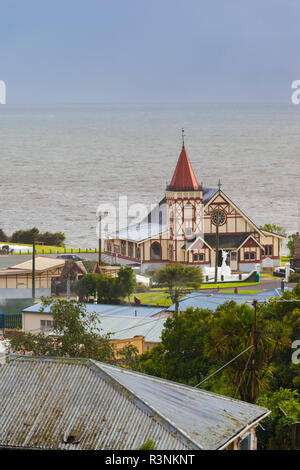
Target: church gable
231, 218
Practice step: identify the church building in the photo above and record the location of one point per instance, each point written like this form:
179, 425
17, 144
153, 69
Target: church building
185, 225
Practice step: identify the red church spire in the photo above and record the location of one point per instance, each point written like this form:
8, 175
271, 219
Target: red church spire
184, 178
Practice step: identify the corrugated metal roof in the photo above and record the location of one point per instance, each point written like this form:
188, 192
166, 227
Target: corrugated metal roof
212, 300
128, 327
45, 401
108, 309
207, 419
41, 263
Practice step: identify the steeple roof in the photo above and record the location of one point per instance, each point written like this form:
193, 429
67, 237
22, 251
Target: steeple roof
184, 178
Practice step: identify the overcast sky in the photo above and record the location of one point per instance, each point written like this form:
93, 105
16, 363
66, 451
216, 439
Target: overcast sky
149, 50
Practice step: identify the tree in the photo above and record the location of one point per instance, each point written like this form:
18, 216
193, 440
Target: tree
75, 334
86, 286
198, 342
27, 236
177, 278
231, 333
277, 428
3, 236
180, 356
108, 289
291, 244
126, 281
273, 228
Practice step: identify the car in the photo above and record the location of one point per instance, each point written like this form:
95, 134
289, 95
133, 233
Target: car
280, 272
71, 256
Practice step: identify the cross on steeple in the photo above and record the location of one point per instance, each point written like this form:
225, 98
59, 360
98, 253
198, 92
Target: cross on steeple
182, 133
219, 185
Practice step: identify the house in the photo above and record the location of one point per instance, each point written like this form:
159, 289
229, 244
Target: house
182, 228
139, 326
212, 300
16, 281
82, 404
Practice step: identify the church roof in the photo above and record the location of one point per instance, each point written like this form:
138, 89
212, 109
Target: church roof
184, 177
150, 226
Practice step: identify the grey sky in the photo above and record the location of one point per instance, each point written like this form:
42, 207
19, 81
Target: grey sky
149, 50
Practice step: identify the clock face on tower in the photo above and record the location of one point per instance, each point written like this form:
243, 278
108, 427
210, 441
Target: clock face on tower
218, 213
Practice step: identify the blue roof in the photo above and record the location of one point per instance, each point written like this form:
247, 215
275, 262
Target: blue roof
211, 300
107, 309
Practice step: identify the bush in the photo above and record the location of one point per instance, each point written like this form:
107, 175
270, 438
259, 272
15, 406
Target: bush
294, 277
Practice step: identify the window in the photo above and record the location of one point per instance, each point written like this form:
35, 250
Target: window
160, 219
155, 251
268, 250
233, 255
252, 255
116, 249
188, 212
123, 247
109, 247
199, 257
218, 217
46, 325
138, 252
130, 249
247, 255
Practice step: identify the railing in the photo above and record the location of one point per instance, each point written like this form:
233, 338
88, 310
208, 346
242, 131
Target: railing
11, 321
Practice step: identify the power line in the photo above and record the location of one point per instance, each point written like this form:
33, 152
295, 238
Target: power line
223, 367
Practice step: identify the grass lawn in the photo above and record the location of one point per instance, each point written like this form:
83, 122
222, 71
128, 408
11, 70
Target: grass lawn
153, 298
162, 298
222, 285
51, 249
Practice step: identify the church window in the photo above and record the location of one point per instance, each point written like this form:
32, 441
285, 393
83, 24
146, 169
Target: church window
160, 219
155, 251
268, 250
218, 214
123, 247
188, 212
130, 249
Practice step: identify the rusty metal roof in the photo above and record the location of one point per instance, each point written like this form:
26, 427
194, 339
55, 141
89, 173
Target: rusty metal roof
54, 403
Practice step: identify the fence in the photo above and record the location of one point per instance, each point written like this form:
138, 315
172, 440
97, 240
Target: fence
11, 321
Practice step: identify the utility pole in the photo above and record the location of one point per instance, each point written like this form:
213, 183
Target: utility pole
254, 339
217, 246
217, 236
99, 257
33, 269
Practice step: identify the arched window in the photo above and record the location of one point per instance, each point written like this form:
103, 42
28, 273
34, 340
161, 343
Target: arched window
155, 251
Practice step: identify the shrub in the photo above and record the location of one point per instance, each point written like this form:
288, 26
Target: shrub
294, 277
